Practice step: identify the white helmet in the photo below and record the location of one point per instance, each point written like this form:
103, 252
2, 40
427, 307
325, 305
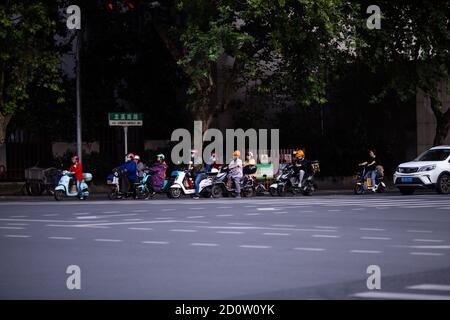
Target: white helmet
214, 170
136, 157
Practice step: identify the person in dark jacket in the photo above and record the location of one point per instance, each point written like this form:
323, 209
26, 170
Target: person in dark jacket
158, 173
130, 173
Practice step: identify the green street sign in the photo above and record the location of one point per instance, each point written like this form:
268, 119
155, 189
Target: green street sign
125, 119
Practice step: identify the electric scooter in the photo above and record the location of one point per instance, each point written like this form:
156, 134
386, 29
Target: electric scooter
63, 189
183, 184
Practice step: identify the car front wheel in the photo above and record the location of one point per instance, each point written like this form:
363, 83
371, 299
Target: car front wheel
443, 184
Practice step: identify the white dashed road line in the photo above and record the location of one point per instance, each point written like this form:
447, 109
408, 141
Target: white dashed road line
183, 230
13, 228
419, 231
142, 229
108, 240
426, 286
61, 238
276, 234
324, 236
365, 251
310, 249
204, 244
254, 246
16, 236
371, 229
375, 238
155, 242
230, 232
428, 240
426, 254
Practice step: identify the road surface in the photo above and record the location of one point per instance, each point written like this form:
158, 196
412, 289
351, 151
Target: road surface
261, 248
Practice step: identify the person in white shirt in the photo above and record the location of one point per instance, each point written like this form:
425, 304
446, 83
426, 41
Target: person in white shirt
235, 168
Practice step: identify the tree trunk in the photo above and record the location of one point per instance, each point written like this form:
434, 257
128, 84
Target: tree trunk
4, 120
442, 120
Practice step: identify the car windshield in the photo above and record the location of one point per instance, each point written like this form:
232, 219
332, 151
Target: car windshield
434, 155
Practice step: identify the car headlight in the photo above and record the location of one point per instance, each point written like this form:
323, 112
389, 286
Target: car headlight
427, 168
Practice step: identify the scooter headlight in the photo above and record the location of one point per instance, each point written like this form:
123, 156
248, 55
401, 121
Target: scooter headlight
427, 168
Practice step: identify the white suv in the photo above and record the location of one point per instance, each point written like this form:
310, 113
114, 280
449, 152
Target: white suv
430, 170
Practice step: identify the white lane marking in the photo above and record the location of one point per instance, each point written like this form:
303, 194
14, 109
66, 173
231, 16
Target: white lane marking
263, 228
81, 213
310, 249
428, 240
324, 236
107, 216
249, 206
171, 209
108, 240
18, 224
426, 254
334, 210
224, 207
430, 247
276, 234
102, 225
240, 223
110, 212
358, 209
196, 208
375, 238
183, 230
230, 232
254, 246
51, 215
326, 227
132, 219
61, 238
166, 218
420, 231
224, 215
199, 244
16, 236
13, 228
268, 209
371, 229
143, 229
78, 226
155, 242
365, 251
255, 214
195, 217
399, 295
140, 210
280, 212
45, 221
426, 286
283, 225
18, 216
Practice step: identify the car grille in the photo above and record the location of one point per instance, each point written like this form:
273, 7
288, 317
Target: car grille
407, 170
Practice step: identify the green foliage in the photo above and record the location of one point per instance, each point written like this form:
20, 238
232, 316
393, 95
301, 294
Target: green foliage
28, 57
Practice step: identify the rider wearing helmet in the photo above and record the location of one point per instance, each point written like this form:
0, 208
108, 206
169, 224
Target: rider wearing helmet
140, 167
300, 165
249, 163
158, 171
235, 168
77, 170
129, 169
209, 165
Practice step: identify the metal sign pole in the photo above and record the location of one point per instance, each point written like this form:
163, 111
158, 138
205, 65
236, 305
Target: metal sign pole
125, 131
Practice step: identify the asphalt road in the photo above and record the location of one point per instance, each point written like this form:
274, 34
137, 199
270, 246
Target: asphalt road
315, 247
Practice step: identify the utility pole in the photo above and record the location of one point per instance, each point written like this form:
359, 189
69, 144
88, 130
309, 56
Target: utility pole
78, 94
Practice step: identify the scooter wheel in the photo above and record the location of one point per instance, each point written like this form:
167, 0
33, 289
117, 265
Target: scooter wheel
175, 193
247, 192
112, 195
358, 189
59, 195
273, 191
216, 191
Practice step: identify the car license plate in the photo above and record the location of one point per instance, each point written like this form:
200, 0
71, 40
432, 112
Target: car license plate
407, 179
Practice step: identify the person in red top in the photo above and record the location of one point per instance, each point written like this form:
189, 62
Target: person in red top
77, 169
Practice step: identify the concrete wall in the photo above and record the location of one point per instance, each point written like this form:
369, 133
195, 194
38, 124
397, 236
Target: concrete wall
426, 122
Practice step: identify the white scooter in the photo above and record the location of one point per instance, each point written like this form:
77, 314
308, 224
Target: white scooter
63, 190
181, 185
